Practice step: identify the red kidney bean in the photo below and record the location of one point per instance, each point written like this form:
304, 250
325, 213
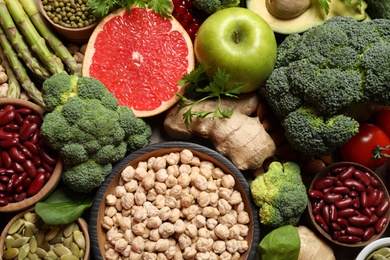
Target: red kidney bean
333, 213
371, 198
336, 234
4, 179
337, 170
34, 119
7, 161
47, 167
363, 199
354, 184
18, 118
349, 239
339, 184
354, 231
2, 187
18, 189
332, 197
356, 203
18, 168
382, 208
373, 219
35, 137
342, 222
30, 168
26, 183
7, 114
353, 193
19, 197
24, 111
3, 202
16, 155
8, 143
25, 151
37, 161
359, 221
318, 206
347, 174
346, 213
374, 182
11, 127
340, 190
36, 184
335, 226
381, 196
10, 185
316, 194
380, 224
345, 203
32, 148
368, 233
367, 212
47, 175
321, 222
6, 171
20, 179
27, 131
323, 183
6, 135
47, 155
362, 177
326, 214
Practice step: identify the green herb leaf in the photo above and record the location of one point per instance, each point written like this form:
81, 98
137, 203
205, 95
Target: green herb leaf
63, 206
325, 4
217, 88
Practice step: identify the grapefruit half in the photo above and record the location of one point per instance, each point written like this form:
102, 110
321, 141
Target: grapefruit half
140, 57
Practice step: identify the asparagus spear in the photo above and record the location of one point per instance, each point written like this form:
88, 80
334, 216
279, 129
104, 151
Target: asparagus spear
37, 43
19, 43
14, 87
41, 25
20, 70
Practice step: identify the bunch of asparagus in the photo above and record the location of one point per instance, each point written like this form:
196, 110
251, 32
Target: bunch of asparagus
28, 46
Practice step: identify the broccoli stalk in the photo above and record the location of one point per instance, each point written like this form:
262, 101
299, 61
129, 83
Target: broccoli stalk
211, 6
280, 194
88, 128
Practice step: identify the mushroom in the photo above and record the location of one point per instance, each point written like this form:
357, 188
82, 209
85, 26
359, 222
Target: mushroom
287, 9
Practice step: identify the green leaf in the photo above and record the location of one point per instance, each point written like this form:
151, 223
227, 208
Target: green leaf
63, 206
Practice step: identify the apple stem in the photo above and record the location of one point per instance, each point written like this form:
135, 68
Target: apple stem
236, 37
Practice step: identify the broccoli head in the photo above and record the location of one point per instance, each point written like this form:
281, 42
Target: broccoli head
87, 176
280, 194
321, 73
89, 126
211, 6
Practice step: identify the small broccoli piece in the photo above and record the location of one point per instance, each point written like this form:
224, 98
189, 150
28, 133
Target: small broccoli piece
86, 176
110, 153
211, 6
91, 88
280, 194
58, 88
110, 101
55, 129
73, 154
73, 109
325, 71
140, 136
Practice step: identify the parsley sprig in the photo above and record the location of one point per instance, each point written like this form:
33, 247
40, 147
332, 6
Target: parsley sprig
216, 88
325, 4
101, 8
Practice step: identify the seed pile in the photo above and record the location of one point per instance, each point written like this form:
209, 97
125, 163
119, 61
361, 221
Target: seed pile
30, 238
175, 207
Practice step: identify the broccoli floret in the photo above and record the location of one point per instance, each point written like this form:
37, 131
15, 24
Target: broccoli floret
86, 177
211, 6
280, 194
74, 154
58, 88
89, 126
326, 70
91, 88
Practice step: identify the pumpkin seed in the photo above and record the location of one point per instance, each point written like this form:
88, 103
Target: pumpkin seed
68, 230
8, 241
19, 242
29, 229
32, 256
75, 249
23, 251
61, 250
15, 227
33, 244
41, 252
79, 239
69, 257
11, 253
52, 233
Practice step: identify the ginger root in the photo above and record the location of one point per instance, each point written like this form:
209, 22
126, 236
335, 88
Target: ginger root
241, 138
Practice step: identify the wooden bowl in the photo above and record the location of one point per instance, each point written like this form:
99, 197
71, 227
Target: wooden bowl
55, 178
73, 35
98, 233
83, 226
330, 171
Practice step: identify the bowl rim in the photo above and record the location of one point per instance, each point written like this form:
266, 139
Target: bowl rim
178, 145
55, 178
368, 249
318, 228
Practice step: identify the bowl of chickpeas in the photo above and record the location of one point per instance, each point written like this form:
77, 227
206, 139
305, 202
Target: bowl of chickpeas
174, 200
72, 20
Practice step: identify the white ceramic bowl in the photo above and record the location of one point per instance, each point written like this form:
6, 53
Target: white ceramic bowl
367, 250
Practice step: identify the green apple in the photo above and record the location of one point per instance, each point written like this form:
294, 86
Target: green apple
240, 42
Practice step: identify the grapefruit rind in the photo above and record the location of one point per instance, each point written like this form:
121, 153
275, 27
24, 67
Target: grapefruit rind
172, 97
